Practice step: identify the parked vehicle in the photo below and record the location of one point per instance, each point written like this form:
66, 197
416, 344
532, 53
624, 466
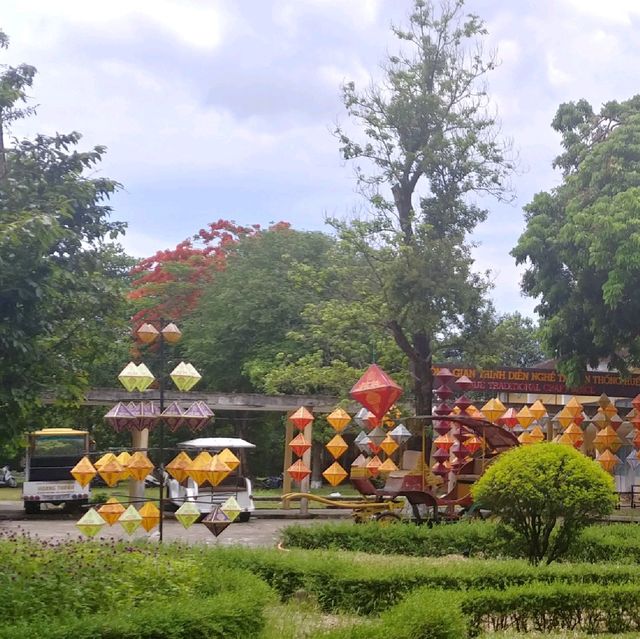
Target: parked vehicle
273, 481
51, 454
207, 497
6, 478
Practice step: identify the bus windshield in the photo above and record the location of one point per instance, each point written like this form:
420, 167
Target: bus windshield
59, 445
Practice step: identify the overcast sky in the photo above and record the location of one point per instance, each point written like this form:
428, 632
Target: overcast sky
223, 108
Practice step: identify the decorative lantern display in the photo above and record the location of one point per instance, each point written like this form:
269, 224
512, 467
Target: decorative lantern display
608, 460
147, 333
229, 459
337, 446
178, 466
509, 419
217, 471
299, 445
120, 418
173, 416
377, 436
199, 467
111, 510
536, 435
139, 466
301, 418
171, 333
400, 434
365, 418
298, 471
188, 514
123, 458
150, 514
184, 376
231, 508
130, 520
362, 442
493, 410
84, 471
525, 417
216, 521
90, 524
197, 416
538, 410
389, 445
112, 472
387, 466
376, 391
373, 465
335, 474
339, 419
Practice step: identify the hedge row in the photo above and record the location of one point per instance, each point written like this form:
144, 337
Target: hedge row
429, 614
220, 617
601, 542
345, 582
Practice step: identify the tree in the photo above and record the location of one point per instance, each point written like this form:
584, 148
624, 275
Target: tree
61, 276
430, 145
545, 494
581, 241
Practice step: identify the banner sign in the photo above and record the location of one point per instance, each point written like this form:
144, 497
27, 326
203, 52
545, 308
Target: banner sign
544, 381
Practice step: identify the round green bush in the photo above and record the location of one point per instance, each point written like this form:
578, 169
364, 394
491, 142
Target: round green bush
545, 494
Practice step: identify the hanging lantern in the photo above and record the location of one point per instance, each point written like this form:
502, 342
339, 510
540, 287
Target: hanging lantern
135, 410
197, 416
171, 333
185, 376
130, 520
387, 467
301, 418
335, 474
197, 470
389, 445
525, 438
600, 420
139, 466
377, 436
509, 419
178, 466
444, 392
298, 471
574, 433
365, 418
144, 377
231, 508
147, 333
608, 460
538, 410
444, 441
112, 472
525, 417
493, 410
229, 459
373, 447
111, 510
536, 435
129, 376
105, 459
337, 447
188, 514
564, 418
376, 391
299, 445
574, 406
216, 521
616, 422
373, 465
363, 444
473, 444
442, 409
83, 472
339, 419
217, 471
607, 439
150, 516
464, 383
120, 418
90, 524
149, 416
444, 376
123, 458
461, 403
173, 416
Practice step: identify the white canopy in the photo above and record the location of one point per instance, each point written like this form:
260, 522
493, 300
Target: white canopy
216, 443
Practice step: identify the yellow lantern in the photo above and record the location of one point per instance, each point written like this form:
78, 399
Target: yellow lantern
607, 439
608, 460
129, 376
171, 333
231, 508
188, 514
525, 417
217, 471
389, 445
229, 458
147, 333
150, 514
337, 446
525, 438
139, 466
177, 467
387, 466
185, 376
112, 472
198, 468
373, 465
111, 510
130, 520
493, 410
574, 407
83, 472
123, 458
537, 435
90, 524
334, 474
565, 417
538, 410
105, 459
339, 419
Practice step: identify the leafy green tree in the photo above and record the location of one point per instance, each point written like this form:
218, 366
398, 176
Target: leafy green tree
428, 146
61, 276
581, 242
545, 494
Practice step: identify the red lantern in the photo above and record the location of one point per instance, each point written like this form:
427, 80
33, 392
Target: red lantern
299, 445
376, 391
298, 471
301, 418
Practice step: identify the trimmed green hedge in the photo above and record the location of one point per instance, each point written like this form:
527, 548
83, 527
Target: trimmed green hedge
347, 582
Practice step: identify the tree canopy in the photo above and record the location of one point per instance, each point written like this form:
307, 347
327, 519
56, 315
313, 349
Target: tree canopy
427, 145
581, 241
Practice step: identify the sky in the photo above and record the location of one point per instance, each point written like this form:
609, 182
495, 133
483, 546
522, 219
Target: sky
224, 108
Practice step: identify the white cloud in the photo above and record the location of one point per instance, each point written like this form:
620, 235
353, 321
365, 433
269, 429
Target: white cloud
618, 11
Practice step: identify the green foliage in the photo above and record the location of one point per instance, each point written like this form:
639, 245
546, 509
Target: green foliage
428, 144
545, 494
580, 244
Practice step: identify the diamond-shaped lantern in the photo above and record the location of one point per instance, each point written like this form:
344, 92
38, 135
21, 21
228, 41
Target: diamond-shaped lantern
199, 467
464, 383
473, 444
231, 508
298, 471
365, 418
299, 445
171, 333
376, 391
337, 446
335, 474
229, 458
301, 418
509, 419
217, 471
112, 472
147, 333
574, 406
400, 434
633, 460
574, 433
123, 458
83, 472
173, 416
139, 466
373, 465
493, 410
150, 514
537, 435
362, 442
144, 377
444, 376
90, 524
525, 417
105, 459
564, 417
608, 460
111, 510
120, 417
188, 514
197, 416
339, 419
149, 416
178, 466
377, 436
389, 445
185, 376
387, 466
607, 438
538, 409
129, 376
216, 521
130, 520
525, 438
373, 447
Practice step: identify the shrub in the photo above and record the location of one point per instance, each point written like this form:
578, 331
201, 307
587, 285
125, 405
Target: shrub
546, 493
